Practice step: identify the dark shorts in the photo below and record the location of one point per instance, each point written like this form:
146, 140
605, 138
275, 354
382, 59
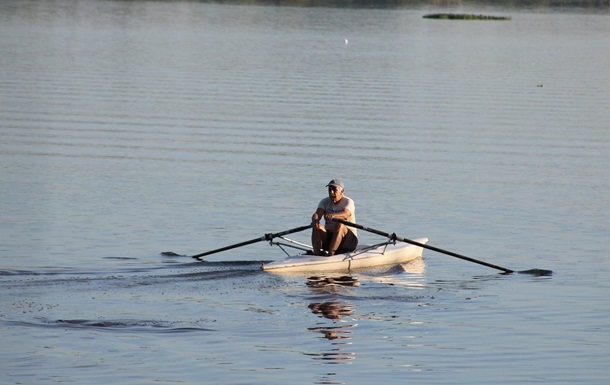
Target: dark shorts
348, 243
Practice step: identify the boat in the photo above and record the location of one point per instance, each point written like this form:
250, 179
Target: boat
381, 254
395, 250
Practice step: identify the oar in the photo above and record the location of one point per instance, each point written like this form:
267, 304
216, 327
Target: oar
266, 237
438, 250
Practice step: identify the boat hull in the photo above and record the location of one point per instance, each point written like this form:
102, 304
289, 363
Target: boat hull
363, 257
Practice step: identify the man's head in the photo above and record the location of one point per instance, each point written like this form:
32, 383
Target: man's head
335, 190
336, 183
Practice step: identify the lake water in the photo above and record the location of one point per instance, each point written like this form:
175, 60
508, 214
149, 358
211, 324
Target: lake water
128, 129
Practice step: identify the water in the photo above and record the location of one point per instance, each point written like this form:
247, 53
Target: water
133, 128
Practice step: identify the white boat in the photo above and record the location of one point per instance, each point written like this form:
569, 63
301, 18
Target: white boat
387, 253
382, 254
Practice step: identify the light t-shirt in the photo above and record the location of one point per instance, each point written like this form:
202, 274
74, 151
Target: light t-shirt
344, 203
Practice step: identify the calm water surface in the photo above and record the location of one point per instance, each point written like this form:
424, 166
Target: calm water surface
132, 128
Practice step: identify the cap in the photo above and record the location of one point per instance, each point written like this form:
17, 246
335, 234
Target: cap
336, 183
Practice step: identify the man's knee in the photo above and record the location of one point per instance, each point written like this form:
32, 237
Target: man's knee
340, 229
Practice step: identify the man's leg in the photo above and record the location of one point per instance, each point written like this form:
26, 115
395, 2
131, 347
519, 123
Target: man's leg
318, 236
339, 233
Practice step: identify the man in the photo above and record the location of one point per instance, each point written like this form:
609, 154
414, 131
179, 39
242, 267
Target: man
334, 237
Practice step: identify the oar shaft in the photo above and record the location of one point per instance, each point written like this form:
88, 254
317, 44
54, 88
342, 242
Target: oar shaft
451, 253
438, 250
230, 247
266, 237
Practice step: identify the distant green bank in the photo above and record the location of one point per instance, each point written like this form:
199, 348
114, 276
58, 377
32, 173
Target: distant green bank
461, 16
389, 4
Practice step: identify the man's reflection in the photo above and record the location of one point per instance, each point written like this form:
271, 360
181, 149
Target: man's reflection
340, 334
332, 310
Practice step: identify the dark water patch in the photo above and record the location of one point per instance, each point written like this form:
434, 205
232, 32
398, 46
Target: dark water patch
171, 254
463, 16
111, 325
122, 258
537, 272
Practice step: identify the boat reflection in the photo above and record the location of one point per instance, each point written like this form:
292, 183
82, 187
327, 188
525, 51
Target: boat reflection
410, 275
416, 266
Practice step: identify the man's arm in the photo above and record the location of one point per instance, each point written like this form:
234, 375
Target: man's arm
315, 218
345, 214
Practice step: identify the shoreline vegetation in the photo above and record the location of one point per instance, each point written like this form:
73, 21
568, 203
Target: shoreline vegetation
388, 4
462, 16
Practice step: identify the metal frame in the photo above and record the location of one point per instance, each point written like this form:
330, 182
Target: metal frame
304, 247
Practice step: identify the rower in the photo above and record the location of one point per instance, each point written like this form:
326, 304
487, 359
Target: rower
334, 237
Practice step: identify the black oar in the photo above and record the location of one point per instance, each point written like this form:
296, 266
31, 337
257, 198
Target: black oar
266, 237
395, 237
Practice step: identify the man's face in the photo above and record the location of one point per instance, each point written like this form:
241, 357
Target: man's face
335, 193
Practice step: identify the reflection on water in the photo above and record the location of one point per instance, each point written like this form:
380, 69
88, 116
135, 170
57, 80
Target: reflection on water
335, 356
333, 333
329, 282
339, 334
416, 266
332, 310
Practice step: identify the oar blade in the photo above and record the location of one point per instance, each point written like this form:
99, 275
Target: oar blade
537, 272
